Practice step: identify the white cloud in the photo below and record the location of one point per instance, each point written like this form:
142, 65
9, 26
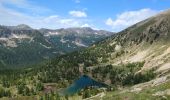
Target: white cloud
129, 18
25, 5
78, 13
16, 2
10, 16
109, 22
70, 22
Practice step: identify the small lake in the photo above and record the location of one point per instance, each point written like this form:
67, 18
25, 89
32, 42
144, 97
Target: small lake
81, 83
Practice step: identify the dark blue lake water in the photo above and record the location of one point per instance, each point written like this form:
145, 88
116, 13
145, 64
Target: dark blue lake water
81, 83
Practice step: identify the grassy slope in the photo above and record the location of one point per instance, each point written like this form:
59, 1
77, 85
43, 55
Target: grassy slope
146, 94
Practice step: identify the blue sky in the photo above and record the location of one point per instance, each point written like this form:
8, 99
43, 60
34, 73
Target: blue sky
112, 15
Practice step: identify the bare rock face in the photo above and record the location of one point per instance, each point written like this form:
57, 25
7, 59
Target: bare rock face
162, 93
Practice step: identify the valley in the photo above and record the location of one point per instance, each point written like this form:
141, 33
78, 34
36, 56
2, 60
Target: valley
22, 46
89, 64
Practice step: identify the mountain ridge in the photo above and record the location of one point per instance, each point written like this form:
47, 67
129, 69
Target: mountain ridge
48, 43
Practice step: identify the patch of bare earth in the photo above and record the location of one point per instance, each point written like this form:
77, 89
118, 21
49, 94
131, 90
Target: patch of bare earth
164, 67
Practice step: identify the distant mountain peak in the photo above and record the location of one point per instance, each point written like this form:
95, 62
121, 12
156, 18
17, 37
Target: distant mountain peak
23, 26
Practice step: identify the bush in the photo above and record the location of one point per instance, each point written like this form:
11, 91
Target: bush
4, 93
132, 78
39, 86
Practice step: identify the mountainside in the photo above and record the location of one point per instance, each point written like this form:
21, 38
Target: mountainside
146, 42
73, 38
135, 63
136, 55
22, 46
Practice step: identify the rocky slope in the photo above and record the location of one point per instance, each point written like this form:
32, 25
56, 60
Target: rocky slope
137, 54
147, 41
73, 38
